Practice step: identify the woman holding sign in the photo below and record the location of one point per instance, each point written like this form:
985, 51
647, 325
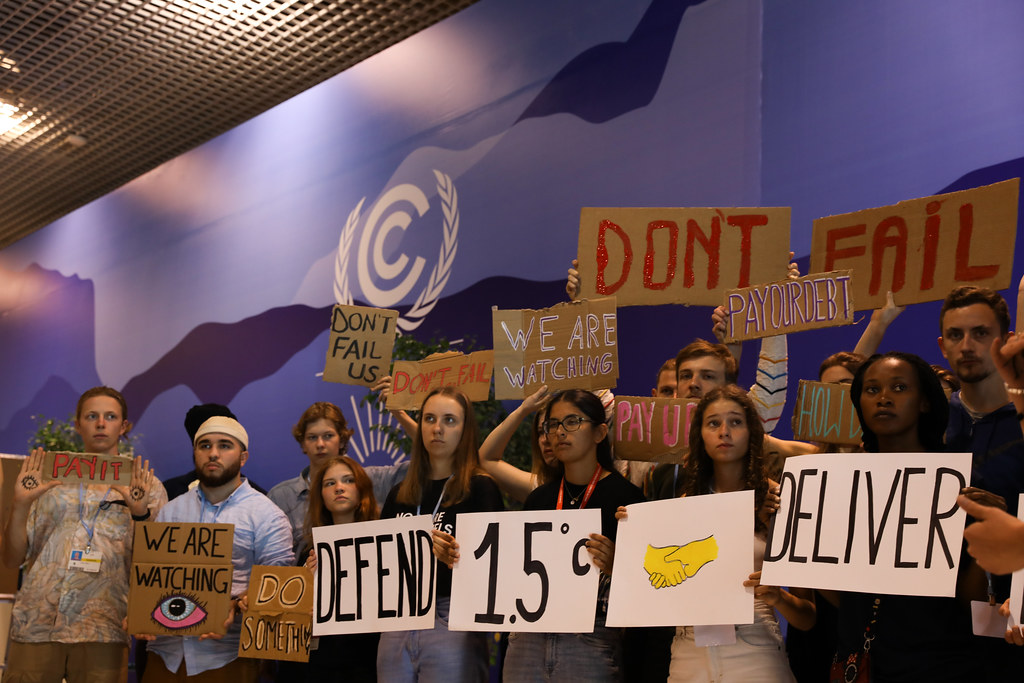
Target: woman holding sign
903, 409
726, 454
574, 423
444, 480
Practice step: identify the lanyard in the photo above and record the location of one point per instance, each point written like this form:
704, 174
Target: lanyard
90, 529
586, 495
439, 499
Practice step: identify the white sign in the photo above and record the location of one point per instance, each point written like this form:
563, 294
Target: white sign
374, 576
683, 561
869, 522
525, 571
1017, 582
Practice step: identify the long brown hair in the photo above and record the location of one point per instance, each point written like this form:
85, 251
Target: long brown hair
465, 460
318, 515
699, 468
541, 469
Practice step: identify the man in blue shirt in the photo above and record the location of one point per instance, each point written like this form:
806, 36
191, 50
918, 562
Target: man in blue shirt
262, 537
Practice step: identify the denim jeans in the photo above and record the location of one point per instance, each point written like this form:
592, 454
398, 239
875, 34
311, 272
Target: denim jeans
576, 657
435, 655
757, 655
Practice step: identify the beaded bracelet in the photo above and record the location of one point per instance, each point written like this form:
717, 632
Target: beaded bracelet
1014, 391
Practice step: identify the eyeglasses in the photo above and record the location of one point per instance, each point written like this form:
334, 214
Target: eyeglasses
570, 424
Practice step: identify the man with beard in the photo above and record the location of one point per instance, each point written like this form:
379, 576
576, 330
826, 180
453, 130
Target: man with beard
262, 536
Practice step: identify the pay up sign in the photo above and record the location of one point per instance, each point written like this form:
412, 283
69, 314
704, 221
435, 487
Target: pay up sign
869, 522
646, 256
87, 468
180, 582
568, 346
806, 303
360, 345
279, 621
920, 249
652, 429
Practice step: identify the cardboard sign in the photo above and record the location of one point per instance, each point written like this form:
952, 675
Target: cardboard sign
806, 303
88, 468
279, 621
652, 429
920, 249
374, 576
360, 345
568, 346
411, 381
824, 413
525, 571
180, 583
647, 256
869, 522
671, 555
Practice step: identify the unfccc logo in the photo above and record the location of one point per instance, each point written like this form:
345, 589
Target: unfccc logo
386, 216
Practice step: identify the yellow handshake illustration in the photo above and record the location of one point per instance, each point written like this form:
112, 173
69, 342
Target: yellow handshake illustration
673, 564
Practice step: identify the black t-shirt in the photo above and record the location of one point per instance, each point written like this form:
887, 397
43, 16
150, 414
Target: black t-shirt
609, 493
484, 496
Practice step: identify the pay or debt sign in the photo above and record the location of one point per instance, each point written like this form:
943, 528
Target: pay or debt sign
374, 576
525, 571
869, 522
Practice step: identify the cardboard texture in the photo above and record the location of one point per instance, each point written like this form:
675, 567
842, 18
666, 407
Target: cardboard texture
648, 256
279, 621
824, 413
652, 429
180, 582
922, 248
571, 345
411, 381
869, 522
360, 345
806, 303
88, 468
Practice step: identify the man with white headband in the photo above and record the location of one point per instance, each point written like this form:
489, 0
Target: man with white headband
262, 536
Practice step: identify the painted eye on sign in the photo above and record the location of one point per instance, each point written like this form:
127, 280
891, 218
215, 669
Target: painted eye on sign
536, 570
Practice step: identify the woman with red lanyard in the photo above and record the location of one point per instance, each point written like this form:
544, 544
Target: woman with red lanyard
575, 427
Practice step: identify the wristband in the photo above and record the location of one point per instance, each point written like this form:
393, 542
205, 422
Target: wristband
142, 518
1014, 391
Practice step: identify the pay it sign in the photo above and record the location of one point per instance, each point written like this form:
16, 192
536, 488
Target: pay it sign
87, 468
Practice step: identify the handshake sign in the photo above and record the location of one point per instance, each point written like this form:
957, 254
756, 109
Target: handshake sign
673, 564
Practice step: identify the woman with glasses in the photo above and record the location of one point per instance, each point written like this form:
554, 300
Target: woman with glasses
576, 431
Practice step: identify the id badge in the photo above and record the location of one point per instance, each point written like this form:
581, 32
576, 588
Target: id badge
85, 560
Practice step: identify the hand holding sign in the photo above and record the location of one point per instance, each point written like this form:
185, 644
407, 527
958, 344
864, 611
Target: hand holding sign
30, 485
136, 494
995, 539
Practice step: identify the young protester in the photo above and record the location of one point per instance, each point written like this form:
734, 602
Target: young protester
516, 483
902, 409
726, 454
574, 422
76, 542
262, 536
444, 480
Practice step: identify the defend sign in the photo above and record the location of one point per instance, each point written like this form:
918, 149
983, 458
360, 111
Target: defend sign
869, 522
359, 350
920, 249
824, 413
569, 346
647, 256
652, 429
806, 303
374, 576
87, 468
535, 567
412, 380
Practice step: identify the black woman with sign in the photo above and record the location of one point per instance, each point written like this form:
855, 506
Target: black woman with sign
444, 480
574, 423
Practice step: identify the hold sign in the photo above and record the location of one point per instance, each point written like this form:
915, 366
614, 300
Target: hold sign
360, 345
536, 569
920, 249
806, 303
568, 346
279, 621
180, 582
671, 555
652, 429
824, 413
374, 576
647, 256
87, 468
869, 522
411, 381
